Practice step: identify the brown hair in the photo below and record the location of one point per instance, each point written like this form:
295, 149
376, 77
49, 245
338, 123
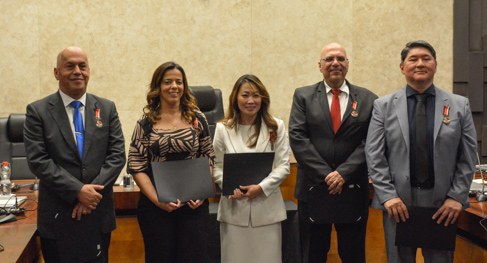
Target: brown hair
232, 117
188, 102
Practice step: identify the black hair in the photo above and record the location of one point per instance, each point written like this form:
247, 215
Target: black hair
415, 44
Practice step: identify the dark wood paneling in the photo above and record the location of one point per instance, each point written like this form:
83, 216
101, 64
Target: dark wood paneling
483, 146
475, 25
460, 88
475, 89
470, 62
460, 46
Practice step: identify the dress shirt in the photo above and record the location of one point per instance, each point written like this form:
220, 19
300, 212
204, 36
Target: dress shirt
430, 117
343, 97
70, 110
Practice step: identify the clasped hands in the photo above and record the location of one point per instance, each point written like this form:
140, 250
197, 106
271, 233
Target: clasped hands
88, 200
251, 192
335, 182
447, 213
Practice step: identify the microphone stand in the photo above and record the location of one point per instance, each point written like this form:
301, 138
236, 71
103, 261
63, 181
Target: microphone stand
481, 196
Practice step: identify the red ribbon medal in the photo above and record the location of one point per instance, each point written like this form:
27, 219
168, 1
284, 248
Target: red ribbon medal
446, 113
99, 124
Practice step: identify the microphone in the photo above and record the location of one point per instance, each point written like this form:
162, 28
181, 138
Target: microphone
35, 185
481, 196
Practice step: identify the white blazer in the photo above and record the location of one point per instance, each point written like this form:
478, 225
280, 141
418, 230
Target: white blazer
267, 208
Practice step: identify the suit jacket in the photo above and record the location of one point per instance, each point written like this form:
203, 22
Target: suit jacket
388, 146
267, 208
53, 157
317, 149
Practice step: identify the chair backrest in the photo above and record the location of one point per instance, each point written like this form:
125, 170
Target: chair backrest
210, 103
12, 147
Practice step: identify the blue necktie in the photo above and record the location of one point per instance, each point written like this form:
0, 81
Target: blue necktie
78, 126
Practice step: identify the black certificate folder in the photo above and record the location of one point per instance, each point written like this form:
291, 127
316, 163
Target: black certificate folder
245, 169
422, 231
326, 208
183, 179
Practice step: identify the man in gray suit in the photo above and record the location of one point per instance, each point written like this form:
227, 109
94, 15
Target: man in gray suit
327, 129
420, 150
77, 151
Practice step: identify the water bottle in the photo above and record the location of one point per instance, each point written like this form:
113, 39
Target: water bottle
5, 180
128, 182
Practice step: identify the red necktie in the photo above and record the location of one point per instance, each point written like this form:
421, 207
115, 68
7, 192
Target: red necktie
336, 117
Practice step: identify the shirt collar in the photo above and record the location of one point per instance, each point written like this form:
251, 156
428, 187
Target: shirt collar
344, 88
411, 92
67, 99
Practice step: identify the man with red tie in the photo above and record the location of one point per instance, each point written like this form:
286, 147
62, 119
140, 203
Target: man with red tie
327, 129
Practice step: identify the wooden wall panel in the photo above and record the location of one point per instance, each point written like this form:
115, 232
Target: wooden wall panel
460, 46
470, 62
475, 25
475, 89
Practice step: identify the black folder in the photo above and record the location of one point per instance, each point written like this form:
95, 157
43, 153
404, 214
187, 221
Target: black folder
346, 207
422, 231
183, 179
245, 169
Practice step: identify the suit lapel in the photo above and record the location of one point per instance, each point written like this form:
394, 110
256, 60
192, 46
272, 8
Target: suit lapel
235, 140
440, 102
401, 106
264, 138
324, 107
240, 146
352, 97
58, 112
90, 122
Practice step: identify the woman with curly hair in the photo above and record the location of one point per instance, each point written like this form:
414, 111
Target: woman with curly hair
171, 128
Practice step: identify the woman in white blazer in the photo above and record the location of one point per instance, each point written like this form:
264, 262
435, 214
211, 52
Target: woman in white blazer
250, 219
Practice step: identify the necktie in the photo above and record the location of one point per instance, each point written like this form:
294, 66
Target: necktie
336, 116
78, 126
421, 156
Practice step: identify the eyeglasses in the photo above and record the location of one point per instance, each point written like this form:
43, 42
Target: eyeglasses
331, 59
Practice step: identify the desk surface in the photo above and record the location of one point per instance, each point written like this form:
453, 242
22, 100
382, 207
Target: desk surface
19, 237
469, 220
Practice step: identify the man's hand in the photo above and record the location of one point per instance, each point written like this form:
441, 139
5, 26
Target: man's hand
449, 212
80, 210
397, 209
335, 182
89, 197
253, 190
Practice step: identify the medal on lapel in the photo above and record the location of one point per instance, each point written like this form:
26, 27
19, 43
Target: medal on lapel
354, 109
446, 113
99, 124
272, 138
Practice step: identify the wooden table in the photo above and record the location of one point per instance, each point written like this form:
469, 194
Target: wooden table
19, 238
469, 222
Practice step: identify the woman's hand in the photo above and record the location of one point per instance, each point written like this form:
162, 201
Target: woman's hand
169, 207
253, 190
195, 204
237, 195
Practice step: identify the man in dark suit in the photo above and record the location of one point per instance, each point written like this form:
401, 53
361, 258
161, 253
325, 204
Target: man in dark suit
77, 153
421, 160
327, 134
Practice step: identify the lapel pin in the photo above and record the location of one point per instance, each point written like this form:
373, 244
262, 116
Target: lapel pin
354, 109
446, 114
99, 124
